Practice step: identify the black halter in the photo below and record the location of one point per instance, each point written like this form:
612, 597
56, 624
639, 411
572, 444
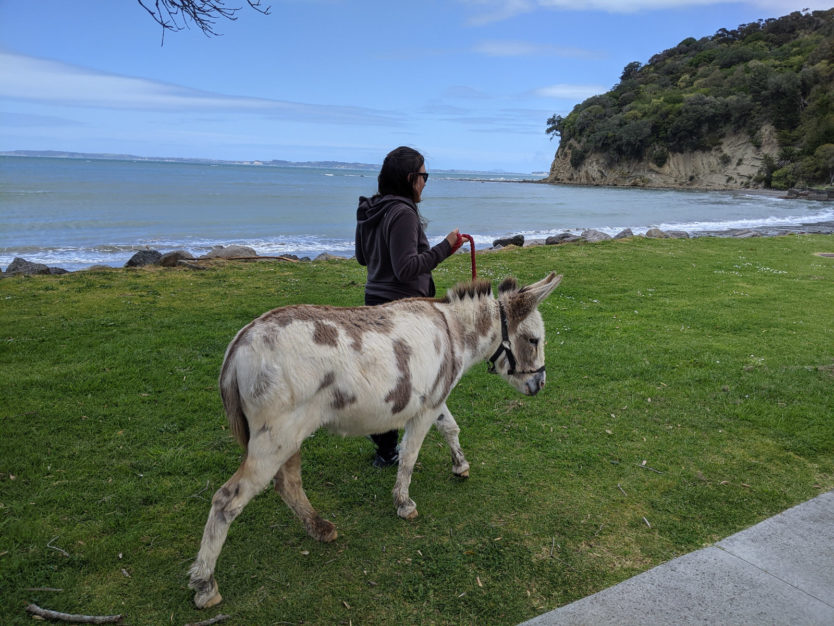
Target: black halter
505, 347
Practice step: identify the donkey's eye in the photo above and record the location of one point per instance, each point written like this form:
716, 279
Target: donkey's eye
534, 341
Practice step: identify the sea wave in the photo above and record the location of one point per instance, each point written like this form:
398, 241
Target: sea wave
116, 255
825, 215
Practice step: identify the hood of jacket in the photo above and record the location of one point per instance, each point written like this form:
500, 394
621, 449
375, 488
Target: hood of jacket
372, 210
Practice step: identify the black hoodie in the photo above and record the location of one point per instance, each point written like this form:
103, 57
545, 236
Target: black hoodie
391, 242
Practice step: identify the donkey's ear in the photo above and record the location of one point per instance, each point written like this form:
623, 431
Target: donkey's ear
508, 285
544, 287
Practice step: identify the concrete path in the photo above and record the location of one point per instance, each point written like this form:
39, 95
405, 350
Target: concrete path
780, 571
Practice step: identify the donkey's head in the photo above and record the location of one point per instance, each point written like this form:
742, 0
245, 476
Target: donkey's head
520, 357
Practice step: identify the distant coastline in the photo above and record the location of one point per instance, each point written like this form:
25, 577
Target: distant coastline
331, 165
104, 156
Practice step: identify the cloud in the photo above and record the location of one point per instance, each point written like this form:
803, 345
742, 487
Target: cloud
570, 92
522, 48
29, 79
498, 10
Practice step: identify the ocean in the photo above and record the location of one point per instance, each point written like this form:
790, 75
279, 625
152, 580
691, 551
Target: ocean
75, 213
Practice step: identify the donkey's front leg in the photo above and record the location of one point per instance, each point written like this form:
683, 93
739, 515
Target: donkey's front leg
447, 425
413, 435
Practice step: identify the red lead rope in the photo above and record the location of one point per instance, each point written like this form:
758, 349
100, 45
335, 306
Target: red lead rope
471, 253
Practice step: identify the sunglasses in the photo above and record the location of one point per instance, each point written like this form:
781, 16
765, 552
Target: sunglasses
425, 175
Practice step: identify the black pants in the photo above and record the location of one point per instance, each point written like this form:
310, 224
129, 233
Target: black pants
386, 443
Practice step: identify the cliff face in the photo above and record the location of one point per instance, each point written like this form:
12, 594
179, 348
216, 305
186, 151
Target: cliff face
733, 164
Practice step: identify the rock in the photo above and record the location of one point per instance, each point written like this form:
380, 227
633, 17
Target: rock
532, 243
624, 234
561, 238
744, 233
190, 264
27, 268
57, 271
594, 236
171, 259
324, 256
677, 234
656, 233
144, 257
810, 194
229, 252
515, 240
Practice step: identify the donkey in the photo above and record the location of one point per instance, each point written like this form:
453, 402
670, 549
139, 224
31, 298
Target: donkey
358, 371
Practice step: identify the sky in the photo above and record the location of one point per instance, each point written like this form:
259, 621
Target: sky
469, 83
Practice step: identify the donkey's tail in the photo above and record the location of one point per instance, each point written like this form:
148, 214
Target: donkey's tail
230, 393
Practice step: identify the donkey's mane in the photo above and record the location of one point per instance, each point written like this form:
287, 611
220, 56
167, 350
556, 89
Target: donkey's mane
474, 289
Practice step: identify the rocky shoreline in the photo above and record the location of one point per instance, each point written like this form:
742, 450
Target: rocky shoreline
181, 258
593, 236
176, 258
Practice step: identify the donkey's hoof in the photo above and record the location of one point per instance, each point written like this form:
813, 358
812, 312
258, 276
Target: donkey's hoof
322, 530
207, 603
407, 511
207, 599
207, 595
461, 471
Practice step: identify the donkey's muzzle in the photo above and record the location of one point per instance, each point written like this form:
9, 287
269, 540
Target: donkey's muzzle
535, 383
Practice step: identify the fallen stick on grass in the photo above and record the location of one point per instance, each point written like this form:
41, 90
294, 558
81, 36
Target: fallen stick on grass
56, 548
213, 620
34, 609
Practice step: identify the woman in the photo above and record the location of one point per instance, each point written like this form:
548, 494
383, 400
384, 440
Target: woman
391, 241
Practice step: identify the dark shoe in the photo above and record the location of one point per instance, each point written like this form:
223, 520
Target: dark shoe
381, 461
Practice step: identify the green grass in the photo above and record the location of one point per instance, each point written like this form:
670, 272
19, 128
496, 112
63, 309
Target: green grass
690, 395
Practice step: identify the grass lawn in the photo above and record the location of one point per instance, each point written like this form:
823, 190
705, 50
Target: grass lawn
690, 394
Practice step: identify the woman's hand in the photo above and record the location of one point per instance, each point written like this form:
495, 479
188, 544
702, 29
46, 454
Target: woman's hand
455, 240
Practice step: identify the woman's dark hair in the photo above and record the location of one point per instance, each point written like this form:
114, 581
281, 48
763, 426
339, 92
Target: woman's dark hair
396, 176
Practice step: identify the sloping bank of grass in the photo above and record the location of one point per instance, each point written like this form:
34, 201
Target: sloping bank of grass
690, 395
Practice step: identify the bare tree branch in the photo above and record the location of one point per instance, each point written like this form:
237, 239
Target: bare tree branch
176, 15
34, 609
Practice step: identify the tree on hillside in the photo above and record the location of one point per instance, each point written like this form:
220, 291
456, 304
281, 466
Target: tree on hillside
630, 71
554, 126
175, 15
824, 157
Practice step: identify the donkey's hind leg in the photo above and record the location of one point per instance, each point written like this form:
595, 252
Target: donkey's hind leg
447, 425
288, 484
259, 466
